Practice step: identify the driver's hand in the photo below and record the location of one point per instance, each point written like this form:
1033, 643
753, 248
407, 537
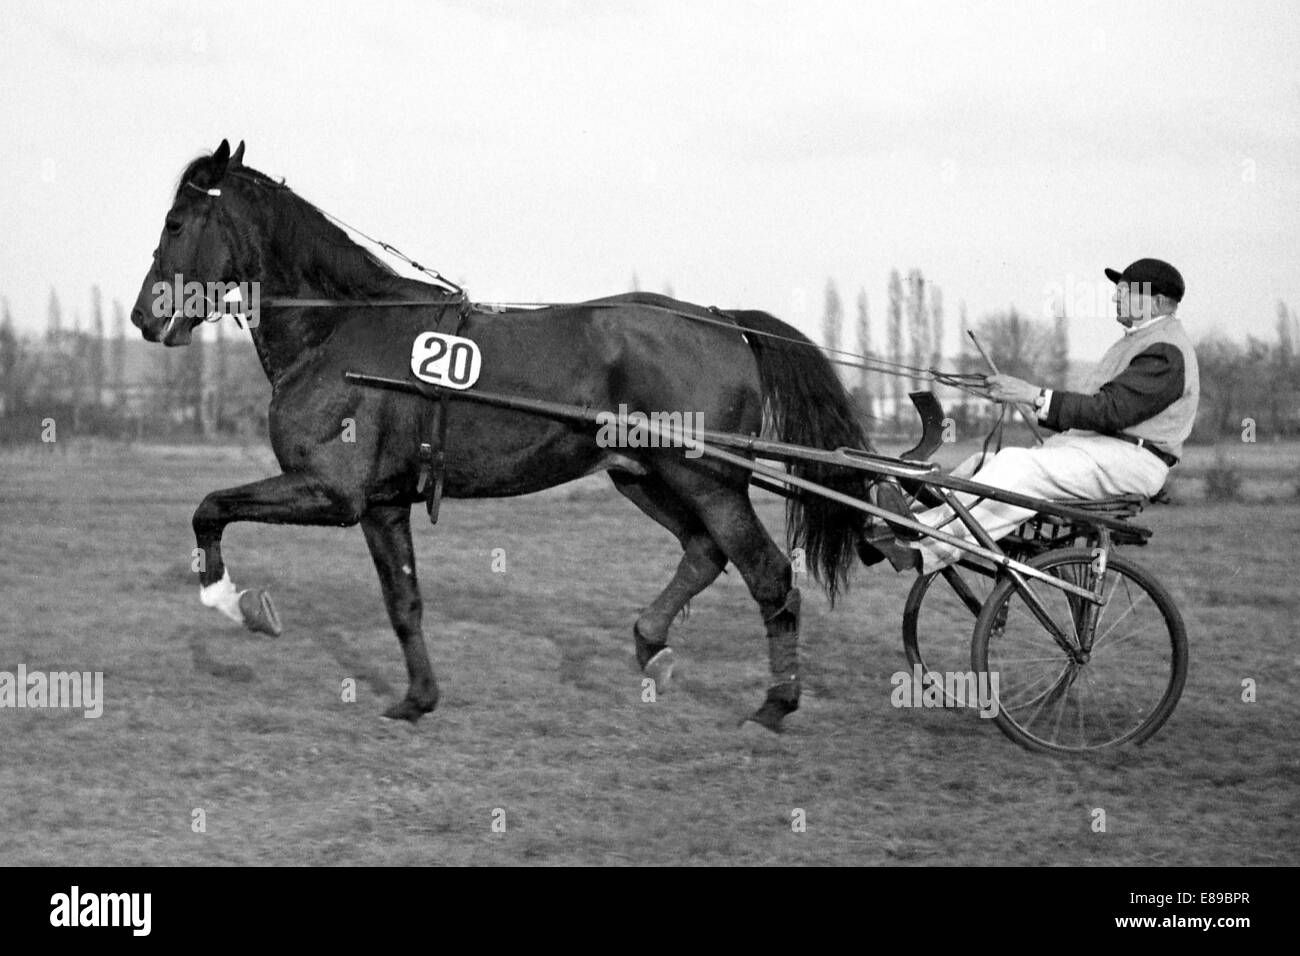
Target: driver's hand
1008, 388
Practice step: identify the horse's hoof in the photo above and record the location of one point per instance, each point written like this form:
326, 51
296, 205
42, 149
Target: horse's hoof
409, 710
660, 669
259, 613
782, 700
767, 716
645, 650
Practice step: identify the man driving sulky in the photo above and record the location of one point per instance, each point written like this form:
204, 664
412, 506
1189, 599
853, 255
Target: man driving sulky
1119, 435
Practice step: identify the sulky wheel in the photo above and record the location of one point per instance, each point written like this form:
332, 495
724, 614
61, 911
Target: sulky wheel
1120, 675
940, 611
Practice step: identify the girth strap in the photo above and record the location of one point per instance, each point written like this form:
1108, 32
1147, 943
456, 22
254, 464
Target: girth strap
433, 453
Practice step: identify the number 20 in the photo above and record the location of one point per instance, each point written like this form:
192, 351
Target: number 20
460, 362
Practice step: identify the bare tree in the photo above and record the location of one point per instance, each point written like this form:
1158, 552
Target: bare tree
166, 384
918, 322
965, 358
194, 382
1058, 363
1285, 389
1235, 382
220, 375
53, 318
896, 341
864, 349
863, 333
1018, 345
1295, 326
832, 317
9, 359
936, 325
95, 348
119, 347
964, 350
1285, 337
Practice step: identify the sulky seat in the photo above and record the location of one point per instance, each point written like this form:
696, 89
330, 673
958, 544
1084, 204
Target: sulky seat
1046, 531
1116, 506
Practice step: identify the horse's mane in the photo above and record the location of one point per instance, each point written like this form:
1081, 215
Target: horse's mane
319, 251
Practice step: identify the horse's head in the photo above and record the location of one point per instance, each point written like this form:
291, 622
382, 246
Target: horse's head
199, 249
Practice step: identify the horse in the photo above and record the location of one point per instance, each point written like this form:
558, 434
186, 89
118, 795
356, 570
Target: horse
742, 371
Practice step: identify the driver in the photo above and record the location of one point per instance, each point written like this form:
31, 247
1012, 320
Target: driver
1120, 435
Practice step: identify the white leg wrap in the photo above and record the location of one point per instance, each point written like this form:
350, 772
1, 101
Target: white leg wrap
223, 596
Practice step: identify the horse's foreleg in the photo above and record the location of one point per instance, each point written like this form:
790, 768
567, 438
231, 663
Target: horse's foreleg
388, 534
284, 499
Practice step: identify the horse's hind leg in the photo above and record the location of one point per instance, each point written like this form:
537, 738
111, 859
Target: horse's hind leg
388, 535
702, 561
725, 509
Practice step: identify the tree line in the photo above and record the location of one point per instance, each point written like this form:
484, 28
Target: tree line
1257, 380
914, 342
100, 377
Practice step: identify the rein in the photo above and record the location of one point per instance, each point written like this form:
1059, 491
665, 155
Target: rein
972, 383
351, 303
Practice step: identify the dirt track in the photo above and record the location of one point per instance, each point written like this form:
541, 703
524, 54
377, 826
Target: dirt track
541, 713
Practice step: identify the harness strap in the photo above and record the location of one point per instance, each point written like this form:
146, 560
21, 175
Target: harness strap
433, 453
434, 501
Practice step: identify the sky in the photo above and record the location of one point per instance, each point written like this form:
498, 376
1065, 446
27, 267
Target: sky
741, 153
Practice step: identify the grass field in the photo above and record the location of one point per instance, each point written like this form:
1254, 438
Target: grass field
541, 714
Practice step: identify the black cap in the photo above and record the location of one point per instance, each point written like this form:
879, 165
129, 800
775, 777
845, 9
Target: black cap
1163, 277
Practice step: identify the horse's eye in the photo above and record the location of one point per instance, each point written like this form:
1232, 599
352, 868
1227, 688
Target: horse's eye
173, 225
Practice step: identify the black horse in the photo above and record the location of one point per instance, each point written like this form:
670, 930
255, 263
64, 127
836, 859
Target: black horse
229, 223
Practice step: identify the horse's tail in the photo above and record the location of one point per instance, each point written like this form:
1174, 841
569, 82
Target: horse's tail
805, 404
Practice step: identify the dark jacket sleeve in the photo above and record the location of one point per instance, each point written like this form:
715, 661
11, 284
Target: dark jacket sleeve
1152, 382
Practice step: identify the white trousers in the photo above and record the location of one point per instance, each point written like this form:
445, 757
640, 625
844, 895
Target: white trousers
1066, 465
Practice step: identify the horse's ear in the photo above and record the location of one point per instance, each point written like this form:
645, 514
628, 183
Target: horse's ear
221, 157
237, 158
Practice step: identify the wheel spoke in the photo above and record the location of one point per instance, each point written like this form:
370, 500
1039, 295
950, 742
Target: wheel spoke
1101, 710
1132, 606
1083, 733
1101, 611
1032, 700
1129, 634
1043, 699
1063, 697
